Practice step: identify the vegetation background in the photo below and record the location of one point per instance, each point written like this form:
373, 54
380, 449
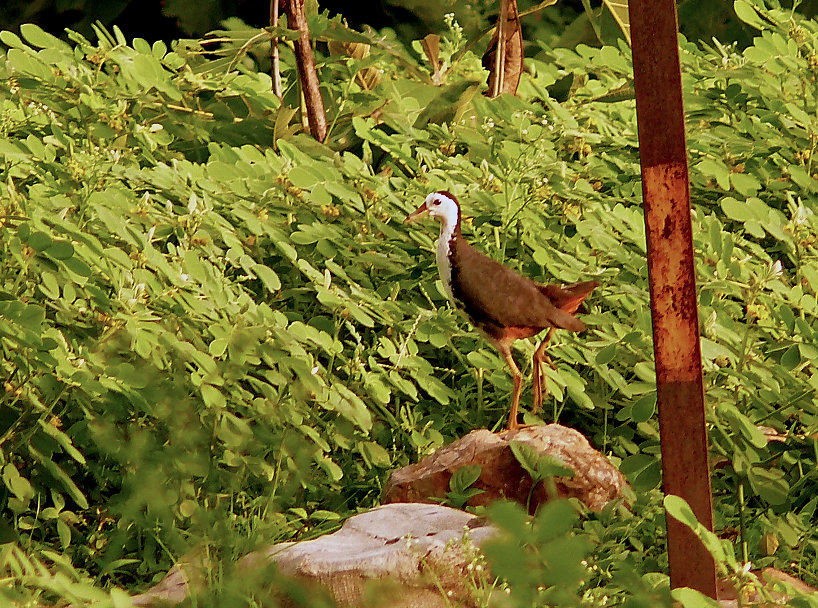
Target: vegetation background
215, 332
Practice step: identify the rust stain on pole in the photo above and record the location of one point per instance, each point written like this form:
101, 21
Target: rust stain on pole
665, 186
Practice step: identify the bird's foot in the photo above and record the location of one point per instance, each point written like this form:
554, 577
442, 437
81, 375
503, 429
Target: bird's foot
540, 388
547, 359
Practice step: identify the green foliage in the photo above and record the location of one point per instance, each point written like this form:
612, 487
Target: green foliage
460, 490
542, 468
216, 332
731, 571
566, 555
540, 559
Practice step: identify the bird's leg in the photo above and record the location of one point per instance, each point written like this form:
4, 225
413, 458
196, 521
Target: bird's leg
538, 375
505, 349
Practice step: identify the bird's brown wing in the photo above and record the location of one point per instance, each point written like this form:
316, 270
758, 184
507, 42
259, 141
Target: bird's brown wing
491, 292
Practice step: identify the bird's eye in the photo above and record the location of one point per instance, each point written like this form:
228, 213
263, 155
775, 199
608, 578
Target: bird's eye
436, 202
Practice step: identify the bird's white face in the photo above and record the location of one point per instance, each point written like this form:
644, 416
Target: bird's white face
441, 206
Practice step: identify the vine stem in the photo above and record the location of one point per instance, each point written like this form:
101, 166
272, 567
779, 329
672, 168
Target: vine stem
275, 60
742, 523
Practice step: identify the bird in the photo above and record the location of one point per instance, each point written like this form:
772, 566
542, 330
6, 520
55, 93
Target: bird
503, 304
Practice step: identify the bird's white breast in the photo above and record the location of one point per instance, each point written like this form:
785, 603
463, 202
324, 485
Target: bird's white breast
444, 263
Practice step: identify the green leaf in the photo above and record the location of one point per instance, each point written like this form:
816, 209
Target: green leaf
65, 481
791, 358
218, 347
212, 396
745, 184
60, 250
324, 515
64, 534
49, 286
718, 170
747, 13
22, 62
538, 465
678, 508
39, 241
464, 477
77, 266
62, 439
643, 471
378, 389
509, 516
741, 423
268, 277
435, 388
18, 485
193, 264
691, 598
481, 359
301, 177
375, 454
606, 354
11, 39
619, 11
736, 210
451, 101
31, 317
35, 36
644, 408
769, 484
526, 455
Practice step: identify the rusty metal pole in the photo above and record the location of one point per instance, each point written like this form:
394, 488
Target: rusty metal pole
666, 191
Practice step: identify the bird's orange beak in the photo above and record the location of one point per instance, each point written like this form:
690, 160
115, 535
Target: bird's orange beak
416, 213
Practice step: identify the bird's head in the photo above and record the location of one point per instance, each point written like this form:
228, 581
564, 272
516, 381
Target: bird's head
441, 205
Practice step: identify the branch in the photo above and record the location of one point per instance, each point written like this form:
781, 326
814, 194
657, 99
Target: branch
275, 63
306, 69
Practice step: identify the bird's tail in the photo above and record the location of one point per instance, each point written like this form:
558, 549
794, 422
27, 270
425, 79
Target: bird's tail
565, 320
568, 297
566, 300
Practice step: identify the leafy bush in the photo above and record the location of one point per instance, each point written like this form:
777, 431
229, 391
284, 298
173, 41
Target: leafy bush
215, 332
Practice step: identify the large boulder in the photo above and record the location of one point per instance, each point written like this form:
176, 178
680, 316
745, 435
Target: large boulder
595, 482
397, 555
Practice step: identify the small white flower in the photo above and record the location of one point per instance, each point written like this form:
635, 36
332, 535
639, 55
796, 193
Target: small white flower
185, 277
801, 215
